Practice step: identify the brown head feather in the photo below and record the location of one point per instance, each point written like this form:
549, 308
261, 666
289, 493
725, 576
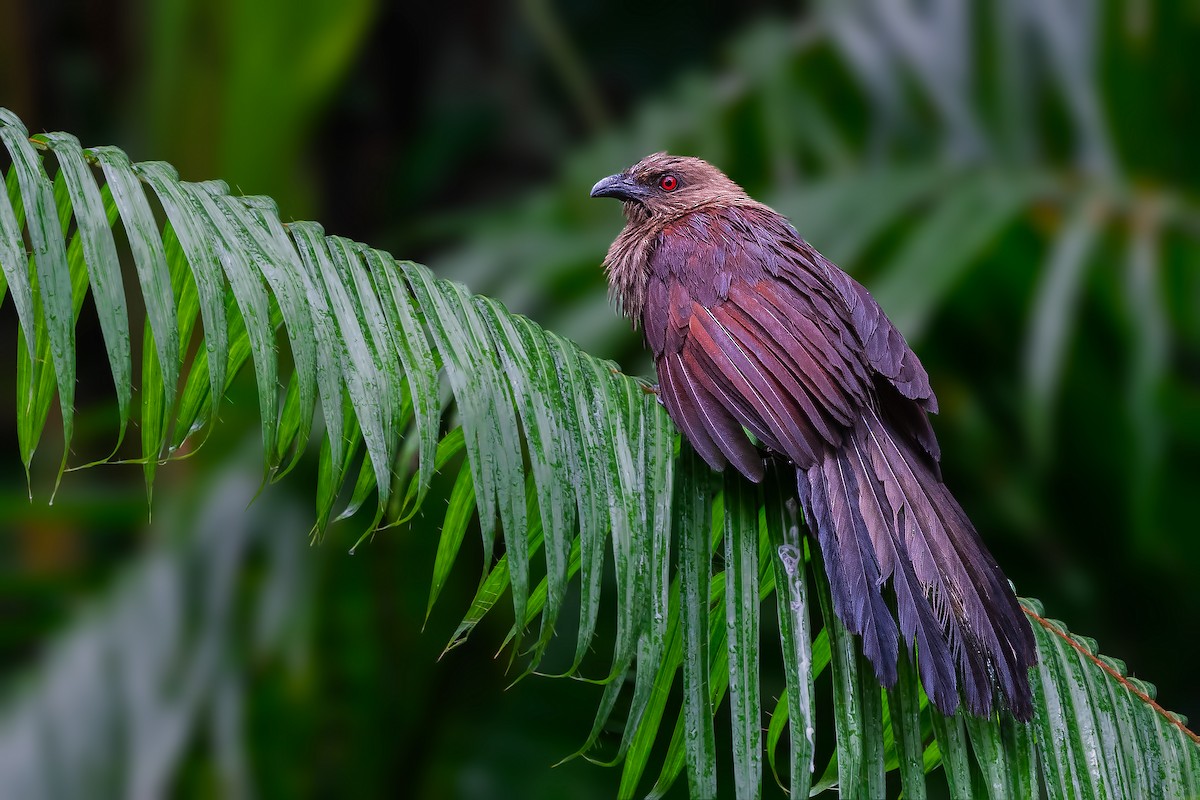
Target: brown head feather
649, 207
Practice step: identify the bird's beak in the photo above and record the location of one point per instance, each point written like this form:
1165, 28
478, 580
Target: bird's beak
620, 186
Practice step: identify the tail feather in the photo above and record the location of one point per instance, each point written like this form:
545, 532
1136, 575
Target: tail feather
918, 622
882, 514
860, 569
855, 589
1005, 637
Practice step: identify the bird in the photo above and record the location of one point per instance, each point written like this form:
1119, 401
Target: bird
766, 350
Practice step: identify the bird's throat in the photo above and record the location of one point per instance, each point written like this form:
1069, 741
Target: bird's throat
627, 265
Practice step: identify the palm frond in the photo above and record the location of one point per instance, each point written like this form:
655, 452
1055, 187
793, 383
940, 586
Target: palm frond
157, 660
566, 454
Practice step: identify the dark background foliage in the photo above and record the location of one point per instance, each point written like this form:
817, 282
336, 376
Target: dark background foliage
423, 132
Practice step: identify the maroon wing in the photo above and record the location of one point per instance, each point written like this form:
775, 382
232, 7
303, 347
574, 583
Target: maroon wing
737, 346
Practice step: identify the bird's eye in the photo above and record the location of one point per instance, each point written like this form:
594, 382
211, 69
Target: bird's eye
668, 183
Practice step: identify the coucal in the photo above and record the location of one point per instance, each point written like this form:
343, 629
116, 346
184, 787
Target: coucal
753, 330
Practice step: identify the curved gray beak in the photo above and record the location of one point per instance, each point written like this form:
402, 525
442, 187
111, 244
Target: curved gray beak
620, 186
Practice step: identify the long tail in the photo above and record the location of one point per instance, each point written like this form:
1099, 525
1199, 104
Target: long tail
882, 515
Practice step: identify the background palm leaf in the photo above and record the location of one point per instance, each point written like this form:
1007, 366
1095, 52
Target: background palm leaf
561, 449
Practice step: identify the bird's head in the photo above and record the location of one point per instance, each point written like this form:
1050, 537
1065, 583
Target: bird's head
661, 186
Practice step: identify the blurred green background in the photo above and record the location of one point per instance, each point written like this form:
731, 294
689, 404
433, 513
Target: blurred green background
1017, 181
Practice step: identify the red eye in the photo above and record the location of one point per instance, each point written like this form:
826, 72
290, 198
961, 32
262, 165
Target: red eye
668, 183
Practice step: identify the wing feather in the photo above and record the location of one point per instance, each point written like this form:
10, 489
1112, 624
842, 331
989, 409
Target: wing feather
720, 389
683, 411
804, 359
769, 360
753, 382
